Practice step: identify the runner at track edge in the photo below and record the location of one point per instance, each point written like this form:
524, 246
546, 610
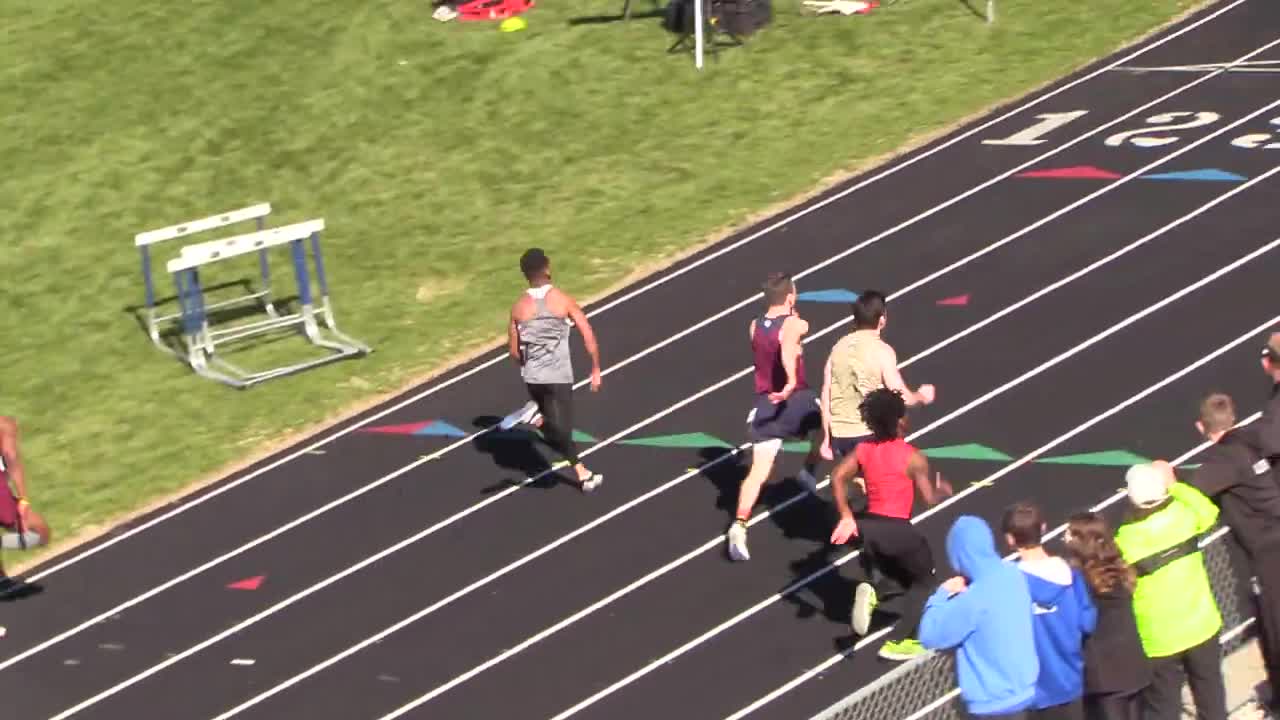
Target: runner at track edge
891, 545
538, 341
24, 528
785, 407
861, 362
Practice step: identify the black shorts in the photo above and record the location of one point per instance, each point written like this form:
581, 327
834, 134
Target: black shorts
843, 446
792, 419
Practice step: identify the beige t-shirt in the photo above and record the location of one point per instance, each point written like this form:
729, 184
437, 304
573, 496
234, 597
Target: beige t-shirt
856, 369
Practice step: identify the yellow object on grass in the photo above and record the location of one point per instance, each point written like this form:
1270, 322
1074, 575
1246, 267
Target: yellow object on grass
513, 24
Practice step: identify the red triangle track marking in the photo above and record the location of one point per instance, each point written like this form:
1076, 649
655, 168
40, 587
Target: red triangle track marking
252, 583
1079, 171
407, 429
954, 301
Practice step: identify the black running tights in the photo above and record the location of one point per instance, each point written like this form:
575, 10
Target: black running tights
555, 402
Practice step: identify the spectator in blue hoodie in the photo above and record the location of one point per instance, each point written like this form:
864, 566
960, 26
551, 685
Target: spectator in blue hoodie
1063, 615
984, 614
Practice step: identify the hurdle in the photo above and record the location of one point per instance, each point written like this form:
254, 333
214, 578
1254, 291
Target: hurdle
201, 340
146, 240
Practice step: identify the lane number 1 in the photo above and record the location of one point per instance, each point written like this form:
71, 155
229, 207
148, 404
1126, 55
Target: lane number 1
1034, 135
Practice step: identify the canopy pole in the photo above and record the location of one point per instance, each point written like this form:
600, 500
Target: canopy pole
697, 33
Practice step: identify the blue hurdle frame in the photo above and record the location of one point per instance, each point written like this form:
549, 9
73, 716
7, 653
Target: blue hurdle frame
201, 340
144, 241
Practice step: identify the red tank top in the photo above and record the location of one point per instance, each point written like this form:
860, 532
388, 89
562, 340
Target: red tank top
766, 351
884, 466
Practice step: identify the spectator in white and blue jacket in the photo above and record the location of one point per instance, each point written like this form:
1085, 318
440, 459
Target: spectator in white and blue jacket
1063, 616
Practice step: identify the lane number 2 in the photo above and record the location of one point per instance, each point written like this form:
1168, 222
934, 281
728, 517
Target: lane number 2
1258, 140
1142, 137
1034, 135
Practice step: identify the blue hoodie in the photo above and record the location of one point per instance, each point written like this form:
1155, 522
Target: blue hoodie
1063, 615
989, 624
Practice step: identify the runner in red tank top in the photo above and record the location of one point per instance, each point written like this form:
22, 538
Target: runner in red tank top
785, 407
891, 470
25, 528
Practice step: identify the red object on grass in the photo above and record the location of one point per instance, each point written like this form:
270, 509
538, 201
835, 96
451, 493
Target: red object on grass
476, 10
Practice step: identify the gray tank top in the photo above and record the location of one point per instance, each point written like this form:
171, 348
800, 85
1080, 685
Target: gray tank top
544, 342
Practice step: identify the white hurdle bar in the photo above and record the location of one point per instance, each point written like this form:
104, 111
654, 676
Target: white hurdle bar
143, 241
201, 340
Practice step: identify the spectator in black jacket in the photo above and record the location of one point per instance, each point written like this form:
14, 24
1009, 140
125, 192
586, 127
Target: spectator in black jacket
1244, 485
1116, 668
1268, 428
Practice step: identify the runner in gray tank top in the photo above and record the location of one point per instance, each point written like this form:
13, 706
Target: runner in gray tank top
544, 343
538, 341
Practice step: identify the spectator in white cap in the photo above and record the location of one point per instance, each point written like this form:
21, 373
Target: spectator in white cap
1178, 618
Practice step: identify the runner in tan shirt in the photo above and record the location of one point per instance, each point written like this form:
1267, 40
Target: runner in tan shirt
859, 363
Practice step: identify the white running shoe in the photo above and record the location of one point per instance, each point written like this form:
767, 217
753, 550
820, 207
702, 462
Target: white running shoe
591, 483
738, 542
519, 417
864, 605
807, 481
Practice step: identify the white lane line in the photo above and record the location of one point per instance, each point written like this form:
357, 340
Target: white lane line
378, 637
835, 659
656, 283
500, 495
1251, 335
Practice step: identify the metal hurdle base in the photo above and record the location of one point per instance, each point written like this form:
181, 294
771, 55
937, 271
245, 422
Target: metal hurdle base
199, 340
316, 325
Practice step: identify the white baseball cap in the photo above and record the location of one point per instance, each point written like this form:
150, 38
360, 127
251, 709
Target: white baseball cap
1146, 485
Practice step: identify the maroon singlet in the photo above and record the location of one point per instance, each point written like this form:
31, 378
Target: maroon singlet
766, 350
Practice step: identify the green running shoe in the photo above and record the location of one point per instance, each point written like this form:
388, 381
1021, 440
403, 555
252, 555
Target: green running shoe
902, 650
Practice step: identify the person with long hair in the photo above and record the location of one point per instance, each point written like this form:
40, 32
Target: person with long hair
1116, 669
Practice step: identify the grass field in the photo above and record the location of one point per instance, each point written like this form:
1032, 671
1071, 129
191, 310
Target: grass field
436, 153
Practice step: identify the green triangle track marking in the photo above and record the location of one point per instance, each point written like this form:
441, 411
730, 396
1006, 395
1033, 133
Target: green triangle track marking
969, 451
684, 440
1111, 458
579, 436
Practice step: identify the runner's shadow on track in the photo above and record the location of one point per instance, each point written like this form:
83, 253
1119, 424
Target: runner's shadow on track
516, 450
829, 594
808, 518
14, 590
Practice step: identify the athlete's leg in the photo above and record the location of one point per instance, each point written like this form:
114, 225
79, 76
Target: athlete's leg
762, 457
556, 405
763, 453
804, 419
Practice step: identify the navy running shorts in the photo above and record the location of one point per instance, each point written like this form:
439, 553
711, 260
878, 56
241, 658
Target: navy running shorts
793, 419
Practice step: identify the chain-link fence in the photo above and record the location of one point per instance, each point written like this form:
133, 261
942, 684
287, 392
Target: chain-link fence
925, 688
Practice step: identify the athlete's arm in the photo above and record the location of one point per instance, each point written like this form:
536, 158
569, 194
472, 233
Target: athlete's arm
792, 330
918, 470
841, 476
826, 411
513, 338
588, 338
9, 451
893, 380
